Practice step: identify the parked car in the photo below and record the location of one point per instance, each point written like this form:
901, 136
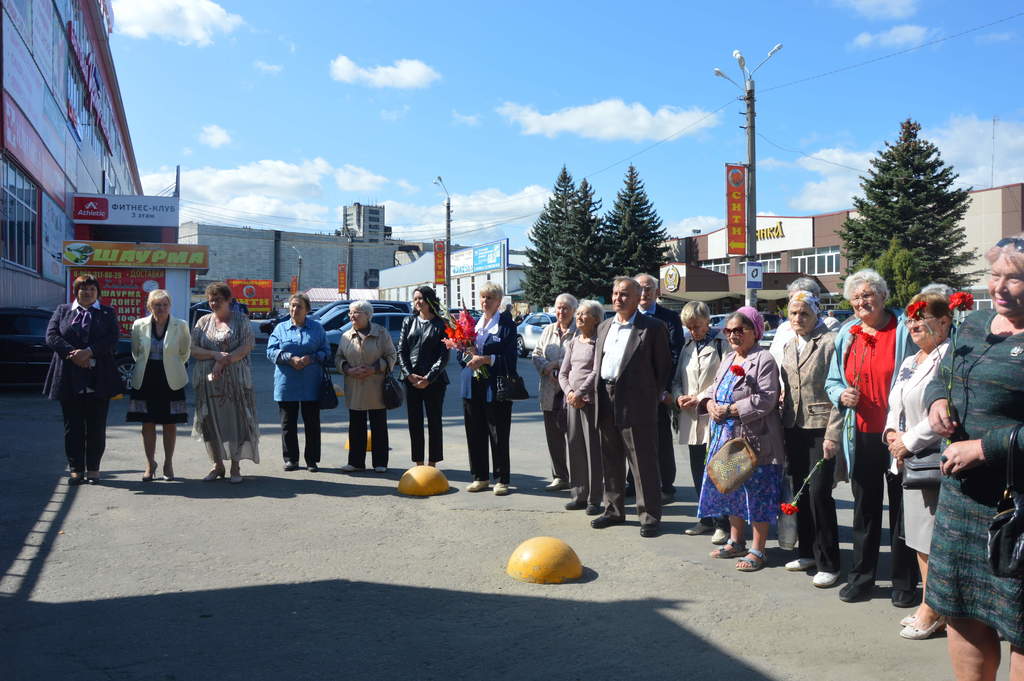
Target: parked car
529, 331
332, 308
392, 321
24, 355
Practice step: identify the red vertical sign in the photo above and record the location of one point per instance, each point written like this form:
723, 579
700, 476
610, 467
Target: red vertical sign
293, 287
343, 279
440, 262
736, 208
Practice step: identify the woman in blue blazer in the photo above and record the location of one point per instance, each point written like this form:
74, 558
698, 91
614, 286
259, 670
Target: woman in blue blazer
83, 375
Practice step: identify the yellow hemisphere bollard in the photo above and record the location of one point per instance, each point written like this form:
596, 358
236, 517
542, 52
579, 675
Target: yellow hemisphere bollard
544, 560
422, 481
369, 441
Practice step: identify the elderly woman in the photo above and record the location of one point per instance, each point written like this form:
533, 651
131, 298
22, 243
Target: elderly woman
743, 401
226, 418
907, 433
298, 349
161, 346
987, 405
547, 358
578, 381
869, 348
488, 419
698, 364
422, 359
366, 354
785, 332
82, 375
811, 431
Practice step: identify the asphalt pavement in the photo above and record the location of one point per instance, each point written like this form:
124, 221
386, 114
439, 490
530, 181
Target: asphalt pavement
331, 576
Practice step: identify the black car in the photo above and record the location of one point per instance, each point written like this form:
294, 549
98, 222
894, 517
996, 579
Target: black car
327, 311
24, 355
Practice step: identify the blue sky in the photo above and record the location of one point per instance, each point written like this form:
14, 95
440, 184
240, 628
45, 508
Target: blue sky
280, 116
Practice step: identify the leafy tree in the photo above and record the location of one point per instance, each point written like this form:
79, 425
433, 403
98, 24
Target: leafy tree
633, 230
546, 242
909, 196
582, 265
902, 271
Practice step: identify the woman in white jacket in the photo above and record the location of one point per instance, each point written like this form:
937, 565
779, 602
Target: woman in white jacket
161, 348
908, 434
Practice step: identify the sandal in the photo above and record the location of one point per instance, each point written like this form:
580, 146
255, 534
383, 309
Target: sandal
730, 550
755, 560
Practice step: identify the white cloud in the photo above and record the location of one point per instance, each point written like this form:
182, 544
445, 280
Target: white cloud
882, 9
186, 151
840, 184
407, 186
611, 119
685, 227
472, 214
464, 119
965, 142
186, 21
403, 74
214, 136
352, 178
907, 35
272, 69
394, 114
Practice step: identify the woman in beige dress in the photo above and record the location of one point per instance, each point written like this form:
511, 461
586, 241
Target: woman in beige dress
225, 401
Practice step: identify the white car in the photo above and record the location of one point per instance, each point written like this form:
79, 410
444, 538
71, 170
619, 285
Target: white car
529, 331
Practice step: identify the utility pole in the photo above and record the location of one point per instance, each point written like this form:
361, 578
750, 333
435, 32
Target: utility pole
298, 276
447, 242
751, 297
177, 181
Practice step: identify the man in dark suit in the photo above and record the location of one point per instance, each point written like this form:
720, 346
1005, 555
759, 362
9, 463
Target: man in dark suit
650, 291
633, 364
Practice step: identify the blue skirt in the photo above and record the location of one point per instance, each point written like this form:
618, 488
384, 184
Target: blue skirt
757, 501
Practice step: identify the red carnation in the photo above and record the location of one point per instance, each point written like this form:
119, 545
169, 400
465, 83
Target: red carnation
737, 370
870, 340
961, 301
789, 509
916, 310
856, 330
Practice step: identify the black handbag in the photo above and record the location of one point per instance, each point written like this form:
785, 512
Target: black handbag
327, 398
510, 387
921, 470
1006, 531
393, 394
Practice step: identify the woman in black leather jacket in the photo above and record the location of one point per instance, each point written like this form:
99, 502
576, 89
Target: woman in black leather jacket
422, 359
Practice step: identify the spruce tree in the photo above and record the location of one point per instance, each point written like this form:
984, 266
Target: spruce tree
909, 196
634, 234
582, 269
902, 271
547, 246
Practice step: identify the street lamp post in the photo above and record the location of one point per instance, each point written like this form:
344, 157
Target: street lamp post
447, 243
298, 277
748, 97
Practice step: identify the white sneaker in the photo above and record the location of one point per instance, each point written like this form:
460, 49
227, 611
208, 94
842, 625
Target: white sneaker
348, 468
557, 485
477, 486
800, 564
823, 580
500, 489
380, 469
719, 537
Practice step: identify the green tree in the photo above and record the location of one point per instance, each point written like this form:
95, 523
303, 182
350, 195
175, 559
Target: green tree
902, 271
546, 245
633, 231
582, 266
909, 196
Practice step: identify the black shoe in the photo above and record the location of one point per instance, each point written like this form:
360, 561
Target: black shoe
74, 482
291, 466
603, 521
667, 498
575, 506
312, 467
904, 598
851, 593
629, 493
92, 481
649, 531
595, 509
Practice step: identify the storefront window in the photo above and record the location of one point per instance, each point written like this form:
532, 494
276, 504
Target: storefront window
720, 265
20, 219
770, 262
816, 260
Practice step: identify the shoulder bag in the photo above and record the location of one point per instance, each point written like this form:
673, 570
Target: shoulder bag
1006, 531
326, 397
732, 465
393, 394
921, 470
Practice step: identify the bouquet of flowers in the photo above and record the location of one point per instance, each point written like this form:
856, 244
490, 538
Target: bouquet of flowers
461, 337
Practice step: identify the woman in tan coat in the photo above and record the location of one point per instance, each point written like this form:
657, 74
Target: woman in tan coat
366, 354
698, 364
547, 359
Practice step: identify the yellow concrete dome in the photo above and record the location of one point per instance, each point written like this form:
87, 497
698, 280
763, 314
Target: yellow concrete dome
369, 441
422, 481
544, 560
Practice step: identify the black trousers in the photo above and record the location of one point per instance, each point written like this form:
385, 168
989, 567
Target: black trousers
290, 430
357, 437
698, 463
555, 431
868, 480
85, 431
430, 399
487, 424
817, 527
666, 453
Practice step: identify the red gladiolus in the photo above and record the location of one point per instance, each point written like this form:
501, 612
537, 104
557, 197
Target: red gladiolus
737, 370
916, 310
789, 509
856, 330
961, 301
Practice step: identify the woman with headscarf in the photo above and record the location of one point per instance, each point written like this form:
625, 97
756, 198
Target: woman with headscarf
743, 401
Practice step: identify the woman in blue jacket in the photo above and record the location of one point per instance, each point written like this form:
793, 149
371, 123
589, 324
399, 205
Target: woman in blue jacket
298, 349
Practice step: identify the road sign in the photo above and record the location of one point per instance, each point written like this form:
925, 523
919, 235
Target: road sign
755, 275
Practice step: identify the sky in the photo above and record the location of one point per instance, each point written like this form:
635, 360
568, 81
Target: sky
281, 113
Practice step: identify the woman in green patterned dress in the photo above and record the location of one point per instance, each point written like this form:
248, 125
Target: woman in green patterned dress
987, 365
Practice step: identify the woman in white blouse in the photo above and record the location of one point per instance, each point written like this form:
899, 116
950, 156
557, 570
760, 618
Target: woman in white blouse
907, 433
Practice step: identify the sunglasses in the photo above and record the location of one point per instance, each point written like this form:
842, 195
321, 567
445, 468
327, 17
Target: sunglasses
739, 330
1011, 241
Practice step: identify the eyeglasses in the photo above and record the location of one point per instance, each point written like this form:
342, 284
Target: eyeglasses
864, 296
1011, 241
738, 330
